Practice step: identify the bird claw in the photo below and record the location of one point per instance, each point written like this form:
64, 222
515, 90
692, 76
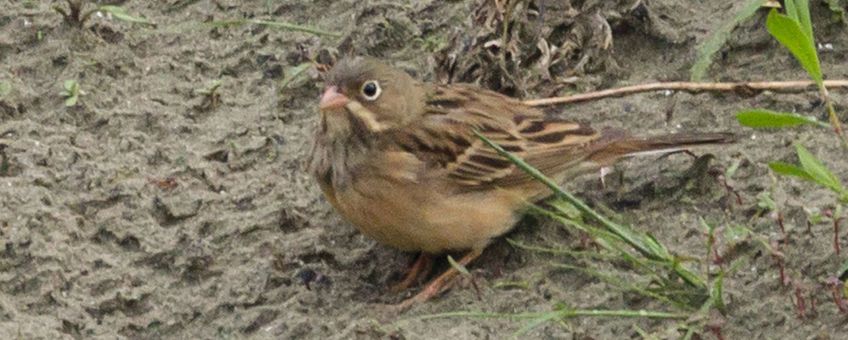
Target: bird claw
419, 269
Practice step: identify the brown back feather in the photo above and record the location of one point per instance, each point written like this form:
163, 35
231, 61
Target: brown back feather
444, 137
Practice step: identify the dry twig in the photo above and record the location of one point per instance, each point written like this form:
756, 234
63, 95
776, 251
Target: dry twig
746, 88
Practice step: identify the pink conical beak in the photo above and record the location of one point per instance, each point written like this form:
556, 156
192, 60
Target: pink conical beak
332, 99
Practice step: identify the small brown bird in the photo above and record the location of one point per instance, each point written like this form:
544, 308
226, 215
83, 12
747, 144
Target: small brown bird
399, 159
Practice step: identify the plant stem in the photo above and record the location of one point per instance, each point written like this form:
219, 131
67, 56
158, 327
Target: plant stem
746, 88
834, 119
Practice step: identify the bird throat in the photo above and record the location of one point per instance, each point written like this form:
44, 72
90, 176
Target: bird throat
342, 142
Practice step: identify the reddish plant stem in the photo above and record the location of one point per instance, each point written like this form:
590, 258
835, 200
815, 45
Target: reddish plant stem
718, 174
813, 304
836, 222
835, 285
800, 304
716, 330
782, 227
719, 260
781, 266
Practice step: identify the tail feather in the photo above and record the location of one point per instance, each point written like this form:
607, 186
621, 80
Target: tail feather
621, 147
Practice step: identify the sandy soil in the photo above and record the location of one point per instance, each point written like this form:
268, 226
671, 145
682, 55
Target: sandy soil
153, 210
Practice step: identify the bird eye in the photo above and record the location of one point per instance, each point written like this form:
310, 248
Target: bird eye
371, 89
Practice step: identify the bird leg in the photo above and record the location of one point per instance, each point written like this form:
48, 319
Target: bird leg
441, 283
420, 268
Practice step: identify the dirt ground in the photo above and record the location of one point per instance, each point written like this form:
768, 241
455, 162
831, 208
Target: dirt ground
153, 209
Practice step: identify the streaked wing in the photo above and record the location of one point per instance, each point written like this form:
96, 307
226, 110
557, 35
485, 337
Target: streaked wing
445, 138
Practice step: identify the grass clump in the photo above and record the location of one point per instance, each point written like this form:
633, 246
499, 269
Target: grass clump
660, 275
77, 16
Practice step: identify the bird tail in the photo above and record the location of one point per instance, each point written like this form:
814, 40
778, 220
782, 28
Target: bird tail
619, 146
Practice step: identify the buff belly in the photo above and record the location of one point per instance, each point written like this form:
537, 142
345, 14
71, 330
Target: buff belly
421, 218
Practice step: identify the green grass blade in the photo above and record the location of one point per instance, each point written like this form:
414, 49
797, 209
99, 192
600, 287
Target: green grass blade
655, 246
120, 13
817, 170
762, 118
561, 251
619, 230
585, 209
623, 284
790, 34
459, 267
787, 169
570, 313
274, 24
295, 27
716, 292
715, 41
536, 323
611, 242
566, 313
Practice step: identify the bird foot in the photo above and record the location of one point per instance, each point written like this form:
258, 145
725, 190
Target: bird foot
420, 268
440, 284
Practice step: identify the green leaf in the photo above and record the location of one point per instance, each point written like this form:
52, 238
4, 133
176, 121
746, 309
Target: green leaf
736, 233
761, 118
71, 92
814, 215
211, 88
790, 34
293, 73
802, 10
5, 88
717, 39
120, 13
787, 169
71, 100
71, 86
791, 11
817, 170
765, 201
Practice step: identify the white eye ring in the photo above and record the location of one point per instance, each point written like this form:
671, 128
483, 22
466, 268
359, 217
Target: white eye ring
371, 90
